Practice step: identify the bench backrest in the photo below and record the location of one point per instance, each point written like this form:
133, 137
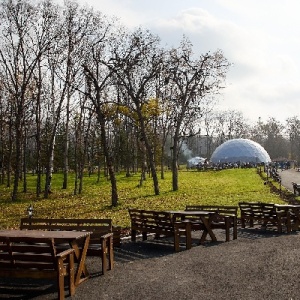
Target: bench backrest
27, 253
225, 210
268, 209
257, 209
249, 206
151, 220
98, 227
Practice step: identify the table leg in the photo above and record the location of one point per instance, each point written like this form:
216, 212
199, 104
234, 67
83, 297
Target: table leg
207, 229
80, 256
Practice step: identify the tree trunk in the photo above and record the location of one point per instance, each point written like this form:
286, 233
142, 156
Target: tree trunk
25, 164
175, 164
109, 162
66, 146
162, 163
49, 168
152, 166
17, 167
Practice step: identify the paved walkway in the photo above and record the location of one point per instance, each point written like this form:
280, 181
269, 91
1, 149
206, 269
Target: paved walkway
289, 176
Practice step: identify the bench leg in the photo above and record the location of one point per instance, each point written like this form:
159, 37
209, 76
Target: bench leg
104, 255
61, 277
242, 222
279, 225
144, 235
235, 229
71, 275
176, 242
61, 282
111, 254
227, 229
188, 232
133, 235
107, 254
251, 223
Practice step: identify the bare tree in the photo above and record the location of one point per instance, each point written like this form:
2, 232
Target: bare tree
195, 82
293, 131
136, 64
25, 38
98, 85
273, 140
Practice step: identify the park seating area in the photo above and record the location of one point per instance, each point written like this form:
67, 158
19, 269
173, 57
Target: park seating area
178, 225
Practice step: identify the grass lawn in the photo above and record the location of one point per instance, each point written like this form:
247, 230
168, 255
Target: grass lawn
226, 187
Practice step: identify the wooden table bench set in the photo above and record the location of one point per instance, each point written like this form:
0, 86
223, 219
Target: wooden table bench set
182, 222
49, 248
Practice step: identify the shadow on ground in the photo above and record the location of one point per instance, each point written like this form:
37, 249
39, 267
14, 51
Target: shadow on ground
154, 248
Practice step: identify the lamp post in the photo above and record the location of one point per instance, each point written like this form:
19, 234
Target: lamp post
30, 211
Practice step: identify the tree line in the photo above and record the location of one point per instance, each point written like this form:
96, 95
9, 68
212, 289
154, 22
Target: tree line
81, 92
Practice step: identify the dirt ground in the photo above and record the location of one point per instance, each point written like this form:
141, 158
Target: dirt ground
258, 265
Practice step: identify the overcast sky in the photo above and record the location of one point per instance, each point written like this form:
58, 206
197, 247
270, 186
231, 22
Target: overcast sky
261, 38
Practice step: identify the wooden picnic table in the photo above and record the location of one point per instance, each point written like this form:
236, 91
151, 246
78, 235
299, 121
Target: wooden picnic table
200, 220
78, 240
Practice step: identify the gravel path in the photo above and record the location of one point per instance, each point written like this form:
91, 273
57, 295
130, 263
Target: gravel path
258, 265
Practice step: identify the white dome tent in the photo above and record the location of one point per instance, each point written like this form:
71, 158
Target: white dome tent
240, 151
195, 161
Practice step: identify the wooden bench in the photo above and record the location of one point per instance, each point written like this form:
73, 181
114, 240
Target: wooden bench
101, 241
263, 214
225, 217
160, 223
36, 258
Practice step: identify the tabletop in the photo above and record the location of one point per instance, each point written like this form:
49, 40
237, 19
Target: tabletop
58, 235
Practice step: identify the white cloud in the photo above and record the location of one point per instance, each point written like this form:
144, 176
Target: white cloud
260, 38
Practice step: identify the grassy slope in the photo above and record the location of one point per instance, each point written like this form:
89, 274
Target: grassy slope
212, 187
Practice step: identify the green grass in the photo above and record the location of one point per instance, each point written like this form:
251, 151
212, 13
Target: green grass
226, 187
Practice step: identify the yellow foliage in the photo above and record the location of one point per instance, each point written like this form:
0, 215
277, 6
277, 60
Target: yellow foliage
151, 108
